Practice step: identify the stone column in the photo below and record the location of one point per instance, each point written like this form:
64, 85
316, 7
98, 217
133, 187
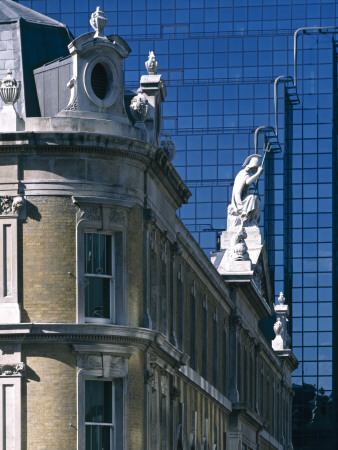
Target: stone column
235, 324
148, 220
176, 251
175, 393
258, 349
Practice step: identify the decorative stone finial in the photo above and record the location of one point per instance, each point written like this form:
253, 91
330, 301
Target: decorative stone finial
281, 298
139, 107
98, 21
151, 64
168, 147
10, 89
282, 340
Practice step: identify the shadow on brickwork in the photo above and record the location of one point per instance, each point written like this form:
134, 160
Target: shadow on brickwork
30, 375
32, 211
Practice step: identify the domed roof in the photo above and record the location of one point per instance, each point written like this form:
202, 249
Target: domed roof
11, 11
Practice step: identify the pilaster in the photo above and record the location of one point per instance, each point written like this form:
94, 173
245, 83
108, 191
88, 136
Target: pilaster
235, 326
10, 311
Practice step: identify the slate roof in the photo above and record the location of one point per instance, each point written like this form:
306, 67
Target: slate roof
12, 12
41, 40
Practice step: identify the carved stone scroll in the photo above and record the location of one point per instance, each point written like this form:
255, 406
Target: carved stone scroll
12, 369
11, 205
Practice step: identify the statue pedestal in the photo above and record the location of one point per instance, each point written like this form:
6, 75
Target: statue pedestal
278, 343
10, 120
235, 266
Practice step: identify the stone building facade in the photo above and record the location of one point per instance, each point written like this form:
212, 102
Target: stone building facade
116, 331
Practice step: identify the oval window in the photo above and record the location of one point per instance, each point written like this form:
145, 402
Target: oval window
99, 81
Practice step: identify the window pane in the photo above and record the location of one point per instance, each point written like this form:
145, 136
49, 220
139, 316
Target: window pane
98, 253
97, 297
98, 401
98, 437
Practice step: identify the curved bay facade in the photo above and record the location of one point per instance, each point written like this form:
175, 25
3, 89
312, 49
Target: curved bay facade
116, 331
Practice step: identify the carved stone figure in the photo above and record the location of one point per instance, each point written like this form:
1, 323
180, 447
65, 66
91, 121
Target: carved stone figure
98, 21
139, 107
168, 147
151, 64
245, 206
238, 247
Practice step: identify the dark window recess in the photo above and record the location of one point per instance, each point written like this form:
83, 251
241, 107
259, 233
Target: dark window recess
99, 81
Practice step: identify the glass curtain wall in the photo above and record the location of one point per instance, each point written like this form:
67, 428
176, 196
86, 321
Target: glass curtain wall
220, 59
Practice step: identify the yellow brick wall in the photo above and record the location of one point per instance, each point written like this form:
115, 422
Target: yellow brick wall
136, 401
48, 254
49, 398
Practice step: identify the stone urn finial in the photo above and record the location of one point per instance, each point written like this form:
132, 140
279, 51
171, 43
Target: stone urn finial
151, 64
10, 89
282, 340
281, 298
98, 21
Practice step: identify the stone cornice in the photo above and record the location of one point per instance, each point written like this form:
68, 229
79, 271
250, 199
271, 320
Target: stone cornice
206, 387
264, 434
288, 356
56, 143
86, 334
251, 293
248, 414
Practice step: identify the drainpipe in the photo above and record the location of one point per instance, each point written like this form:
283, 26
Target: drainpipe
295, 36
259, 130
286, 79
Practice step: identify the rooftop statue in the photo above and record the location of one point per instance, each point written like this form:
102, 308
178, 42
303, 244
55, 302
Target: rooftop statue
245, 205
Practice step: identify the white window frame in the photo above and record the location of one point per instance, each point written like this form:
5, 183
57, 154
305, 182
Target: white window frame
111, 318
104, 362
108, 220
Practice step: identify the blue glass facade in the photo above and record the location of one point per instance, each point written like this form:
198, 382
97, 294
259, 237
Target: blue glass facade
220, 59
